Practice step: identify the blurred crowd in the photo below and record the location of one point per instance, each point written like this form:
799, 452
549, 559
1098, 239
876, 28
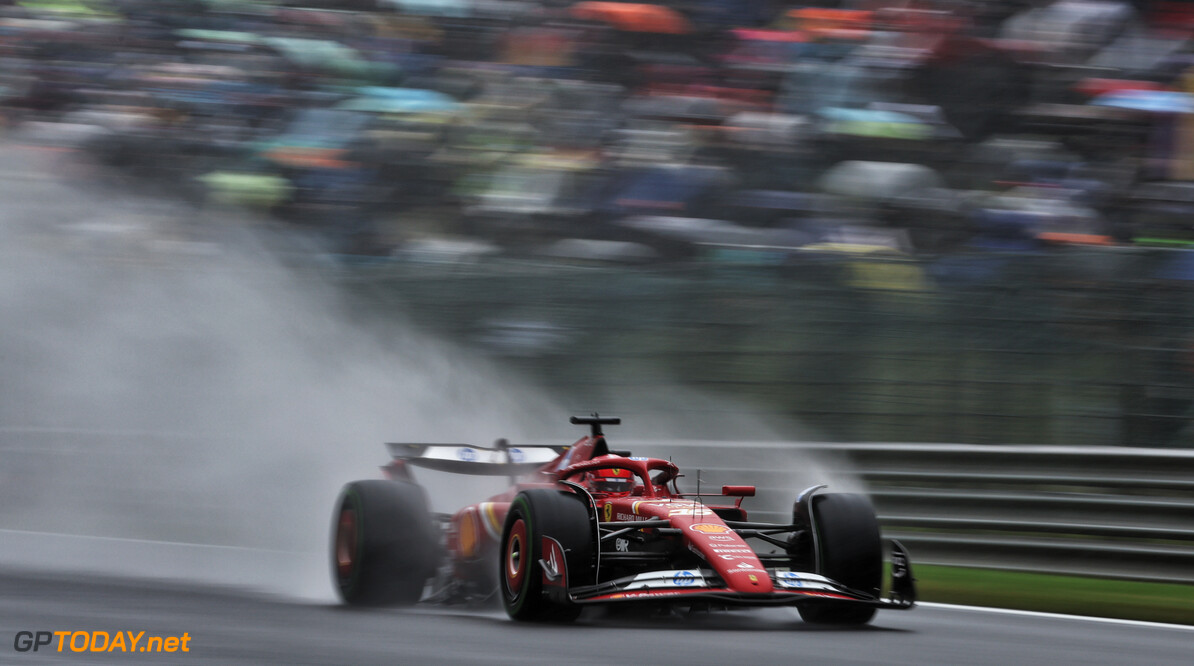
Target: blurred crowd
607, 131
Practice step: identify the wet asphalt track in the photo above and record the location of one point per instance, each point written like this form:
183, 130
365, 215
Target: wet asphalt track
234, 627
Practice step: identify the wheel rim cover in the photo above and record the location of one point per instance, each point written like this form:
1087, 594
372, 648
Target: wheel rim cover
346, 542
517, 554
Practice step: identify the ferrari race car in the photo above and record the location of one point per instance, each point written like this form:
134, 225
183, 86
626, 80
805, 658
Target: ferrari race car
585, 525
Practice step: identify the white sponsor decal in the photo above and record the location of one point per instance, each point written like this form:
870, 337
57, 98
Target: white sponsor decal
466, 454
666, 579
675, 508
554, 568
690, 511
795, 580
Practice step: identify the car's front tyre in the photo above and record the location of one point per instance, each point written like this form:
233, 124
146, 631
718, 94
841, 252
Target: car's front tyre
849, 551
535, 514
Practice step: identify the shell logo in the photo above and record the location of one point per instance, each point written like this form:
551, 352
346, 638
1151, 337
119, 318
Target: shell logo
709, 528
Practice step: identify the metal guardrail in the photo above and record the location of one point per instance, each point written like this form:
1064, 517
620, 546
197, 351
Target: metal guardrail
1106, 512
1097, 511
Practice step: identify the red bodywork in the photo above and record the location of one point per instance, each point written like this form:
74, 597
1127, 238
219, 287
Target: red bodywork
650, 542
585, 524
649, 494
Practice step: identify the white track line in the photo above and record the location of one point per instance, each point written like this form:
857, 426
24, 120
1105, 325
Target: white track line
979, 609
145, 542
1058, 616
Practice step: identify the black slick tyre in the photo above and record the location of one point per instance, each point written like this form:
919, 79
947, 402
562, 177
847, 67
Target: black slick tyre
384, 545
849, 551
535, 514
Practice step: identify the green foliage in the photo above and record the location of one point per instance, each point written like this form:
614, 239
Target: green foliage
1129, 600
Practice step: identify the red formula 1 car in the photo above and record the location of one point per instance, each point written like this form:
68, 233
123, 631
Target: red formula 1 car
585, 525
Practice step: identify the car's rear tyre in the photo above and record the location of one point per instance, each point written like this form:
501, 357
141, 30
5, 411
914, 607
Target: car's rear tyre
384, 545
535, 514
849, 551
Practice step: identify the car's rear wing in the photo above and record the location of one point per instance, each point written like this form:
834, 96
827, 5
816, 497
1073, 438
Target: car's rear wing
500, 460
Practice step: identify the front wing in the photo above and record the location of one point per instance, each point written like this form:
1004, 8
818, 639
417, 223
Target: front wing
704, 585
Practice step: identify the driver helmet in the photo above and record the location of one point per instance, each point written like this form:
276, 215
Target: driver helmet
612, 480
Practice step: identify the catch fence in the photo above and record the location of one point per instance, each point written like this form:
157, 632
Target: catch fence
1084, 347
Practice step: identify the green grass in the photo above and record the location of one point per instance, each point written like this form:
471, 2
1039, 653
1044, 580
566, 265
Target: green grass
1153, 602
